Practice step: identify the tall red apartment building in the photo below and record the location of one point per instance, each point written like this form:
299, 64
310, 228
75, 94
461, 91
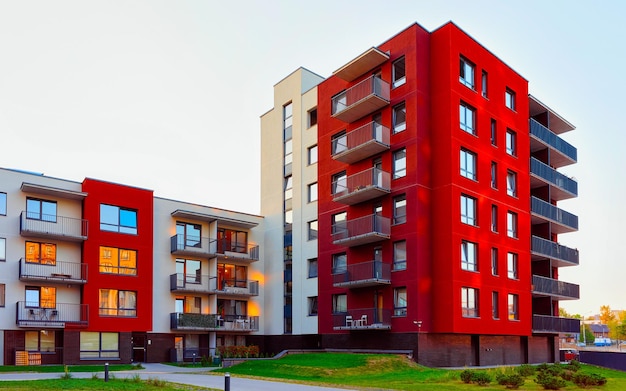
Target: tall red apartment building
437, 207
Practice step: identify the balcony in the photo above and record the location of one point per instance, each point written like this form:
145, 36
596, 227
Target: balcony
363, 319
560, 255
562, 187
559, 290
192, 283
363, 186
52, 227
364, 274
363, 230
193, 246
361, 99
235, 251
363, 63
541, 137
214, 322
562, 221
236, 288
59, 272
361, 143
58, 317
544, 324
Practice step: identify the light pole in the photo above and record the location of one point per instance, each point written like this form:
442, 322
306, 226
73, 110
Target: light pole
418, 323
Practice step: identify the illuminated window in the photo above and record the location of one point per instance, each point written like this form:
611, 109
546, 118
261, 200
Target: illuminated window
232, 240
188, 305
118, 261
513, 305
44, 253
115, 302
229, 275
41, 297
116, 219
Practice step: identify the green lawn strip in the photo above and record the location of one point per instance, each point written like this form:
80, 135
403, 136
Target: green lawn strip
61, 368
98, 385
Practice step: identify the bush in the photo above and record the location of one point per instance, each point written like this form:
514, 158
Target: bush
525, 370
567, 374
512, 381
549, 381
466, 376
585, 380
481, 378
573, 365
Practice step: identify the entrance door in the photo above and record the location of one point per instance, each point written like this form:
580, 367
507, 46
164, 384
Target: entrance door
178, 345
139, 347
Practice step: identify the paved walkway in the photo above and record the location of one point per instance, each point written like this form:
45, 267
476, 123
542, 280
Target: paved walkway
193, 376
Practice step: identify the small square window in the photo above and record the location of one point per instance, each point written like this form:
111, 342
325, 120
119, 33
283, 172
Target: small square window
509, 99
398, 73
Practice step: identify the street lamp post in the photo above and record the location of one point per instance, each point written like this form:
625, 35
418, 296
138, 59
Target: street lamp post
418, 323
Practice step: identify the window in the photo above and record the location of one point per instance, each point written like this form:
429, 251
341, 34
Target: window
398, 73
229, 275
41, 210
511, 183
399, 301
399, 118
233, 308
3, 289
312, 192
312, 229
188, 271
3, 249
399, 209
340, 303
39, 341
339, 143
339, 183
43, 253
511, 224
312, 155
312, 266
495, 303
188, 305
399, 163
118, 261
340, 263
511, 266
3, 204
469, 256
287, 116
511, 142
484, 84
289, 216
232, 240
115, 302
312, 301
312, 117
116, 219
188, 235
494, 261
41, 297
468, 164
399, 255
288, 187
467, 118
513, 307
469, 302
468, 210
288, 151
494, 218
494, 134
339, 102
339, 224
99, 345
466, 73
509, 99
494, 175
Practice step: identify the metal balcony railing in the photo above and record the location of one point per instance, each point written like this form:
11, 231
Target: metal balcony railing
54, 316
565, 221
363, 142
193, 246
361, 99
232, 287
549, 249
568, 188
362, 186
363, 274
363, 319
237, 250
192, 283
552, 140
560, 290
362, 230
213, 322
63, 272
555, 324
52, 226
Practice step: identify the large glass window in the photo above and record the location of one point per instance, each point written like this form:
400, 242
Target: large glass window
118, 261
188, 305
468, 164
511, 142
466, 73
511, 183
399, 209
399, 301
189, 271
399, 118
41, 210
3, 204
312, 266
188, 234
39, 341
312, 304
339, 142
115, 302
229, 275
398, 73
339, 183
399, 163
312, 225
467, 116
312, 155
43, 253
469, 302
340, 303
399, 255
511, 268
41, 296
99, 345
513, 305
340, 263
469, 256
312, 192
117, 219
232, 240
511, 224
468, 210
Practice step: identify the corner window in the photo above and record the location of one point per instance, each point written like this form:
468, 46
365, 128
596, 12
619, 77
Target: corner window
495, 303
399, 163
469, 302
3, 249
115, 302
469, 256
399, 209
118, 261
399, 255
339, 183
340, 263
41, 210
399, 118
511, 141
312, 192
511, 183
312, 304
339, 143
511, 224
494, 261
116, 219
340, 303
513, 305
511, 268
466, 73
99, 345
399, 301
484, 84
312, 225
42, 253
468, 164
509, 99
312, 155
398, 73
468, 210
312, 116
467, 116
3, 204
312, 267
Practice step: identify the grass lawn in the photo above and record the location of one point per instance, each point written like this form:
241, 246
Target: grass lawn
386, 372
98, 385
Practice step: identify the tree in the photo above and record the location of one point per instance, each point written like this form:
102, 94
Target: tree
587, 336
606, 315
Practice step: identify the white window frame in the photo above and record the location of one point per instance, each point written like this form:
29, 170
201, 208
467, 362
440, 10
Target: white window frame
398, 78
511, 225
399, 124
512, 266
511, 183
399, 163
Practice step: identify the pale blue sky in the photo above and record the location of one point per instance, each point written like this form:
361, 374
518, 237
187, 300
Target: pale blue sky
167, 95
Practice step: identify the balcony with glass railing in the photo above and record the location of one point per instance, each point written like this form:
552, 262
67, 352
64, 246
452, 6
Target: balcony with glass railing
362, 319
363, 186
53, 315
562, 221
213, 322
541, 137
361, 99
193, 246
53, 272
560, 255
35, 224
361, 143
558, 290
562, 187
368, 229
360, 275
544, 324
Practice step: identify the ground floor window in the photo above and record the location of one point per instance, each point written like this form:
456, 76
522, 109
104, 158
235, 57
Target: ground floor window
99, 345
39, 341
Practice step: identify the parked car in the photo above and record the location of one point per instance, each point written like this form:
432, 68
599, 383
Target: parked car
602, 342
568, 354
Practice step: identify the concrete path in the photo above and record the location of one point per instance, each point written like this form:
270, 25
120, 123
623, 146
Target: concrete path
193, 376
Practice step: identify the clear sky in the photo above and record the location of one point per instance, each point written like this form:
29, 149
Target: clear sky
166, 95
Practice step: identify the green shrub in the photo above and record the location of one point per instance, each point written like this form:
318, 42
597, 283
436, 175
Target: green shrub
567, 374
573, 365
512, 381
549, 381
481, 378
66, 373
525, 370
585, 380
466, 376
